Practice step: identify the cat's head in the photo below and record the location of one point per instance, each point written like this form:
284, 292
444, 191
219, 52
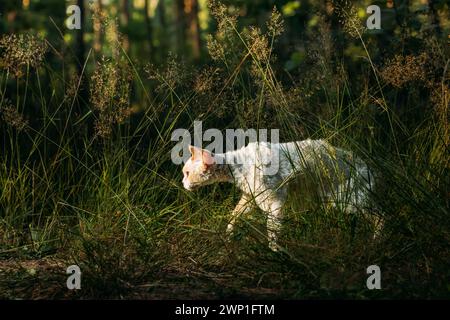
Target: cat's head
201, 169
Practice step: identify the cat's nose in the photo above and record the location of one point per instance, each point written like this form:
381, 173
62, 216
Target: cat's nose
186, 185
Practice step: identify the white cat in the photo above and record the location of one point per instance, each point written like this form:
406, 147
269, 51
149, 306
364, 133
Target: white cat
344, 179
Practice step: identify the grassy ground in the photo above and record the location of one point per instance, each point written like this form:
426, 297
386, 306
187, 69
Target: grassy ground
86, 176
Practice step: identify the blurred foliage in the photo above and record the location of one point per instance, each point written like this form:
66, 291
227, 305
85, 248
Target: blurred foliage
87, 116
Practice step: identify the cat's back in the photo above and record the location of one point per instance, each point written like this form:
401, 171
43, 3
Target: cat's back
286, 154
304, 150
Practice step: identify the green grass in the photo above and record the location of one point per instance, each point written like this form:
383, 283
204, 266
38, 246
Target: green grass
115, 205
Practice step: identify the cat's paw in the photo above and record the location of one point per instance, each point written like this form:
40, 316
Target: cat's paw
274, 246
230, 229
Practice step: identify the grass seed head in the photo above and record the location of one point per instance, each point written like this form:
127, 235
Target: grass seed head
13, 117
19, 51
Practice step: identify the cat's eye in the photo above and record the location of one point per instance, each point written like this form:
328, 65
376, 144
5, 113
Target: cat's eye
187, 174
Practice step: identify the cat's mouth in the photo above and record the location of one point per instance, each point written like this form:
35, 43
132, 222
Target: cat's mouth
192, 187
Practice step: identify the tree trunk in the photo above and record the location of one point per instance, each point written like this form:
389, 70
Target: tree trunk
124, 21
161, 9
191, 9
435, 23
98, 41
80, 50
162, 14
180, 26
9, 11
149, 26
401, 17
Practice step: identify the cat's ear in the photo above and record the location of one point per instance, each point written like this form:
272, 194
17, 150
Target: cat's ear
200, 154
207, 158
196, 153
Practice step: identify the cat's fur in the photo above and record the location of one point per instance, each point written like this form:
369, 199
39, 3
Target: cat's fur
345, 180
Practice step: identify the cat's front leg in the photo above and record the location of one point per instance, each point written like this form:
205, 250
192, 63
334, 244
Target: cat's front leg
244, 205
272, 205
274, 225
